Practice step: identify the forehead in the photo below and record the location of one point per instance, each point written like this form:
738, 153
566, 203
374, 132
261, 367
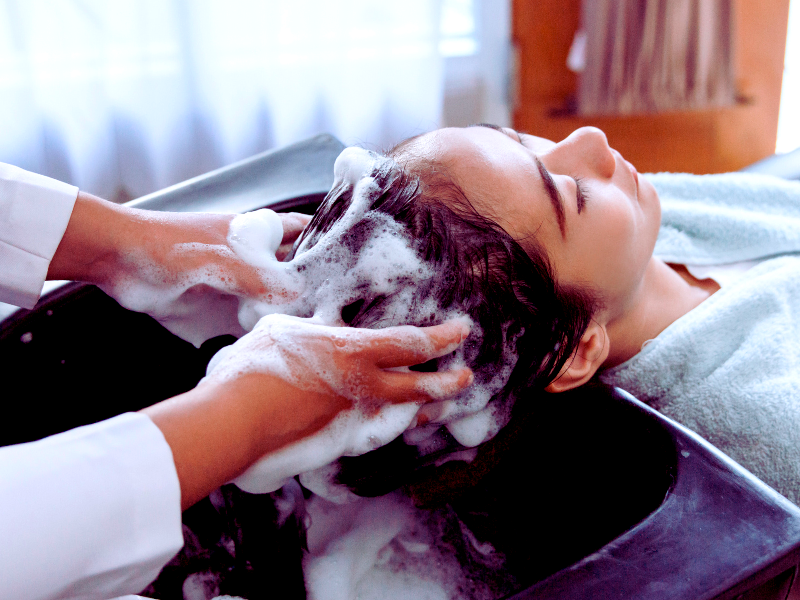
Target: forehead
474, 146
481, 160
497, 173
475, 143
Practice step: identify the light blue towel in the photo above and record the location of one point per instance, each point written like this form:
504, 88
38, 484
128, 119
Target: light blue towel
716, 219
730, 369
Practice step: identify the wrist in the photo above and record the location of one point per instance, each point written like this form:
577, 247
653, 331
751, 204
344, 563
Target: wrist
89, 249
272, 413
220, 428
104, 241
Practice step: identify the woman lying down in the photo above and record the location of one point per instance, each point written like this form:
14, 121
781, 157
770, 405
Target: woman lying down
557, 258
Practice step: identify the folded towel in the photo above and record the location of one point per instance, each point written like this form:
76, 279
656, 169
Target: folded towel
717, 219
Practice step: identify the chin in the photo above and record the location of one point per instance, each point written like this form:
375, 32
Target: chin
650, 203
651, 211
648, 193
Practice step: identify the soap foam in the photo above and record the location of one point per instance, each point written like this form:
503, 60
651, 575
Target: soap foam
195, 304
364, 255
379, 548
364, 548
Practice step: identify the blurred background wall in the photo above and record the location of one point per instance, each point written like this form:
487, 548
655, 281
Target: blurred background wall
123, 97
743, 39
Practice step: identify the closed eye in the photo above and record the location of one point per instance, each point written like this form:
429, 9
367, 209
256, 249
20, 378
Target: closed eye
581, 193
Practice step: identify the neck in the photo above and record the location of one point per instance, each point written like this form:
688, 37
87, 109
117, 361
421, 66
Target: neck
666, 294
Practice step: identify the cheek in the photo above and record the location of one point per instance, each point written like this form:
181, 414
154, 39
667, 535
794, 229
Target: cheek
608, 253
615, 230
616, 249
631, 233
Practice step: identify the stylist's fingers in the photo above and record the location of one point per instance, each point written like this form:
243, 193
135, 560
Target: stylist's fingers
293, 225
425, 387
406, 346
243, 279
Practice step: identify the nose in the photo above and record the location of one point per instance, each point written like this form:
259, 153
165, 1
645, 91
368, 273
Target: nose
590, 145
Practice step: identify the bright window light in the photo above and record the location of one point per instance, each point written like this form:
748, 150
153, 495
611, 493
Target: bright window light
789, 119
459, 34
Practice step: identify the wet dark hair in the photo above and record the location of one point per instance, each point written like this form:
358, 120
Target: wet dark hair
510, 291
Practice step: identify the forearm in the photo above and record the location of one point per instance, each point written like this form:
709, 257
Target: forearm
146, 259
216, 431
102, 238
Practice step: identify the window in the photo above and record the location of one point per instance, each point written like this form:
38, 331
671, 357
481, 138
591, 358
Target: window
459, 34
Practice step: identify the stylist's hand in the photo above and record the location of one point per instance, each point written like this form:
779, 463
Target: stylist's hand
345, 365
293, 226
177, 267
288, 379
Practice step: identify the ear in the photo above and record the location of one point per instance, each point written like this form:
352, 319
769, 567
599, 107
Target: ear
592, 352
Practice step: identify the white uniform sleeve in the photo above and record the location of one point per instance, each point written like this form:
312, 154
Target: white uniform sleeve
34, 212
90, 513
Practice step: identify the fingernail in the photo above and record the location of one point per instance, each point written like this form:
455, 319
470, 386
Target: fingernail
470, 380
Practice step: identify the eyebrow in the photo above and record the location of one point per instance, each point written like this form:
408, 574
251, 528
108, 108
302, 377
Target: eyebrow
556, 199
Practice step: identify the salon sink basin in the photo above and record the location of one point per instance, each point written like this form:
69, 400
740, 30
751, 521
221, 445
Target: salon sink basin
591, 494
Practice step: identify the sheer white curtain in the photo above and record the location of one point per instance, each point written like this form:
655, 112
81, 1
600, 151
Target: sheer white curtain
122, 97
476, 43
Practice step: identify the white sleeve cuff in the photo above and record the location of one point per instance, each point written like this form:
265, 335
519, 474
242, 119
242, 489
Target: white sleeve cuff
34, 213
93, 512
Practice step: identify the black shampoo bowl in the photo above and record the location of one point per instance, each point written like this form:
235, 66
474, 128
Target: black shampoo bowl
591, 494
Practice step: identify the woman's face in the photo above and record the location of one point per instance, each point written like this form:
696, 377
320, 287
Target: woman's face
579, 199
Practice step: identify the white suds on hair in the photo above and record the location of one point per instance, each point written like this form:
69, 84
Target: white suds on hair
377, 548
318, 283
361, 548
